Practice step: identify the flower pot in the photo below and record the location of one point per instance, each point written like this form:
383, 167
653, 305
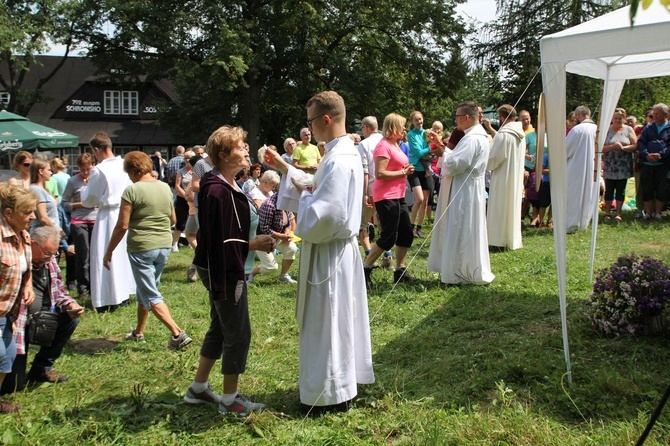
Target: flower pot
654, 325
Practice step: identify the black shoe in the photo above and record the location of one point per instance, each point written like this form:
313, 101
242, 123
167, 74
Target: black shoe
371, 232
46, 376
368, 278
401, 275
317, 411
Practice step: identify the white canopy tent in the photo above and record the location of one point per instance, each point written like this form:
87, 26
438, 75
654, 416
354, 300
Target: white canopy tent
607, 48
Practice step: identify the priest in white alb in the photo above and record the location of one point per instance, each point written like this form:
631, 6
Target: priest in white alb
332, 306
506, 162
581, 190
109, 287
459, 245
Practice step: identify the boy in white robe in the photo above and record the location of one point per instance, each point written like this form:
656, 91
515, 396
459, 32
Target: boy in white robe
109, 287
332, 308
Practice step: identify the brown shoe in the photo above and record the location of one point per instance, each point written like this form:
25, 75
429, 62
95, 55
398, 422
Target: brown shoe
46, 376
7, 407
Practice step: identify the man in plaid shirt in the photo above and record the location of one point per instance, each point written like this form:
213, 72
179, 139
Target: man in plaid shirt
50, 293
279, 224
175, 163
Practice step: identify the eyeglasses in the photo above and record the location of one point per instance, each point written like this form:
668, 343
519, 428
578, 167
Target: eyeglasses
309, 121
460, 116
26, 164
45, 255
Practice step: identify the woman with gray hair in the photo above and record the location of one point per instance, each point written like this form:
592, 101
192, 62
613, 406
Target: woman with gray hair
265, 189
289, 147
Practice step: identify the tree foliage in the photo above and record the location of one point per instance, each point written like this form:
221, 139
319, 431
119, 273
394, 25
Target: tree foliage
256, 62
510, 45
27, 29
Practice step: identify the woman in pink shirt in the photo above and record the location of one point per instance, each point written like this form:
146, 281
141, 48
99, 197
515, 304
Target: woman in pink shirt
388, 194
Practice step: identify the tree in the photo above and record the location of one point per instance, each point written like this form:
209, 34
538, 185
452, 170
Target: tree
26, 29
511, 43
256, 62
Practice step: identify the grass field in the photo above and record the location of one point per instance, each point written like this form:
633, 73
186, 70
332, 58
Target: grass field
454, 366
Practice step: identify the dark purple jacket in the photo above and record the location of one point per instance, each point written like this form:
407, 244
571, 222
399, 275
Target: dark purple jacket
223, 238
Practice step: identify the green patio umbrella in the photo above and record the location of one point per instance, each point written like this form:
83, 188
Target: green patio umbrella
18, 133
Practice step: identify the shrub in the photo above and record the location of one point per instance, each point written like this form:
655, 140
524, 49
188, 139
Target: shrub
627, 293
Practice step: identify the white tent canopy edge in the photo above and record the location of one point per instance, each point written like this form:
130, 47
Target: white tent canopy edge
606, 48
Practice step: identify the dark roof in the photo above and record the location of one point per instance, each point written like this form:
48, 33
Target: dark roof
75, 73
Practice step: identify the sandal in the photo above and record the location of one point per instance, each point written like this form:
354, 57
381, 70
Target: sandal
607, 218
618, 218
550, 224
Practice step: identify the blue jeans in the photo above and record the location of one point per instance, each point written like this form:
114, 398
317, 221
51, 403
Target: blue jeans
147, 267
7, 346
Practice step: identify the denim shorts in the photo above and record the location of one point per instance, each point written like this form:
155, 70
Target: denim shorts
7, 346
147, 267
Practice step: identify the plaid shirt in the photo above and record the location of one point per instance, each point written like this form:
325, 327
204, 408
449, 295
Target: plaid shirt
173, 166
272, 219
12, 282
58, 296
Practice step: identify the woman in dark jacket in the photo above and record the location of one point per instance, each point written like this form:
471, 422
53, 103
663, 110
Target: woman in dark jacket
223, 244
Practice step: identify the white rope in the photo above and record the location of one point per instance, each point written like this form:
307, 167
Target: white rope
395, 284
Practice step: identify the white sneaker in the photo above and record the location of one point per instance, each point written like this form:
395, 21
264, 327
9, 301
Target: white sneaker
241, 406
285, 278
175, 247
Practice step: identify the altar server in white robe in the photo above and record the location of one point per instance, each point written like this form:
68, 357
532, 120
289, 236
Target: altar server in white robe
506, 161
459, 245
581, 188
332, 307
109, 287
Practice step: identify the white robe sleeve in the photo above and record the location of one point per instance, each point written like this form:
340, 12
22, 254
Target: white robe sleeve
322, 217
460, 160
498, 154
288, 195
91, 194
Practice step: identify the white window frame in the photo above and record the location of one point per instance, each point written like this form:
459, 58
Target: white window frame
5, 97
119, 102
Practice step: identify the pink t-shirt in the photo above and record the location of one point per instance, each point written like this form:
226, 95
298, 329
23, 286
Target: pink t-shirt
393, 188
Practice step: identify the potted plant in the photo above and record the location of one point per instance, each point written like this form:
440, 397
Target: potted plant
630, 296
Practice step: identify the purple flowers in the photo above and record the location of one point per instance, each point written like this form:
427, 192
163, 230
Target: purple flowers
624, 295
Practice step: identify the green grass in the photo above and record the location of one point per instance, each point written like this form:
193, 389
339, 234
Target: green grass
454, 366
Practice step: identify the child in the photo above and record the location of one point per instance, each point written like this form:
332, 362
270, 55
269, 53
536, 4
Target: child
437, 128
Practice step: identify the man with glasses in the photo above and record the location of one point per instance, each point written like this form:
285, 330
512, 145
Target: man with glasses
306, 155
332, 309
459, 247
50, 294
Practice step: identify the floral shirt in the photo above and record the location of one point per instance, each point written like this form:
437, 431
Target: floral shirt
618, 165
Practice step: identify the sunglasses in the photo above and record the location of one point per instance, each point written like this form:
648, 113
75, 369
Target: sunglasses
26, 164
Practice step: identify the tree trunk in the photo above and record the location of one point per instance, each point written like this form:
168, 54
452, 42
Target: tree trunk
251, 113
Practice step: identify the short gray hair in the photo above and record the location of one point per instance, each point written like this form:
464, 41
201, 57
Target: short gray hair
304, 130
288, 141
44, 233
270, 176
661, 106
583, 110
370, 121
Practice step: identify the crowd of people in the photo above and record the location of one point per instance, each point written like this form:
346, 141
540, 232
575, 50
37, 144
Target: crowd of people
239, 217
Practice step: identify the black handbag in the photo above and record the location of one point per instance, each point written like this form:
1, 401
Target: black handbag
42, 328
